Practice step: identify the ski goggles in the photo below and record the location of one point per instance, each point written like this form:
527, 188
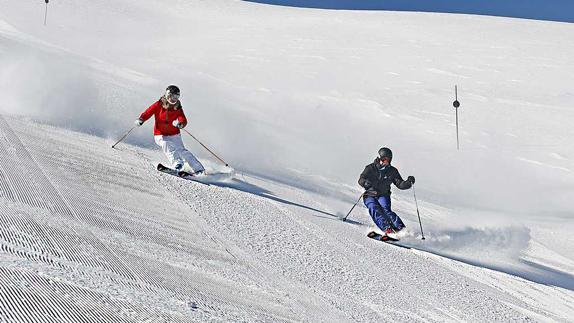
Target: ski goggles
171, 97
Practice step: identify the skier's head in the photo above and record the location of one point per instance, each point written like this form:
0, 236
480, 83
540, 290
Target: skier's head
385, 156
172, 94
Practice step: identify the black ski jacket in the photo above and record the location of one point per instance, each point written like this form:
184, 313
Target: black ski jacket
381, 180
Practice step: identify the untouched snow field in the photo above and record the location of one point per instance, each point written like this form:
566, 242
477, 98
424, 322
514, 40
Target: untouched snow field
298, 101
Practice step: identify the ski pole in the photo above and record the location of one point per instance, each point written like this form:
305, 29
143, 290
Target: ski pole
351, 210
418, 214
192, 136
124, 136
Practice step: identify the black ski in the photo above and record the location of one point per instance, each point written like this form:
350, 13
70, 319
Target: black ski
385, 238
182, 174
171, 171
380, 237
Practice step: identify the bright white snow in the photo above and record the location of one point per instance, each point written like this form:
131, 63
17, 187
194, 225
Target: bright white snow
298, 101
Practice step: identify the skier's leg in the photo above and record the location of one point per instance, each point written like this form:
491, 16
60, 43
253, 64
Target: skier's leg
192, 161
385, 202
187, 156
377, 213
169, 149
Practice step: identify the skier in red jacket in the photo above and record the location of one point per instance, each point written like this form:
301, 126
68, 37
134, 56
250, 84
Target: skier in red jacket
169, 119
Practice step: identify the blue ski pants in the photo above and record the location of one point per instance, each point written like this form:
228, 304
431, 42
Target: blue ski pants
381, 213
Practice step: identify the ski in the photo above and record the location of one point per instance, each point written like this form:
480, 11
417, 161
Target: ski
385, 238
171, 171
380, 237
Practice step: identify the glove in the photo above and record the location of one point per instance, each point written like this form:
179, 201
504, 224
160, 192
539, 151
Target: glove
177, 124
371, 192
411, 179
367, 184
138, 122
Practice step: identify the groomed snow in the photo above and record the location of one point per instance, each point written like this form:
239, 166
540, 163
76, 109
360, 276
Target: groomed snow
298, 101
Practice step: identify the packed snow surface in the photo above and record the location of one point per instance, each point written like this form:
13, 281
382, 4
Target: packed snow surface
297, 101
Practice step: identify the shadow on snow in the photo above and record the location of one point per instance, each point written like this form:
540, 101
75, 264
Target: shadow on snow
243, 186
524, 269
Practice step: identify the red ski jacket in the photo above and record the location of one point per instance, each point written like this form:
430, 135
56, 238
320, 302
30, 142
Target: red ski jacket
164, 117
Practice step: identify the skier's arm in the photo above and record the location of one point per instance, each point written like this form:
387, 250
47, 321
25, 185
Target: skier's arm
401, 183
180, 122
149, 112
363, 181
182, 119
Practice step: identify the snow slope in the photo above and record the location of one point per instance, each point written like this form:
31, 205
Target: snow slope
97, 233
298, 101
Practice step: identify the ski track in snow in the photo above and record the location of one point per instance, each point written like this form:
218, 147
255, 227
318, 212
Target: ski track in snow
71, 219
93, 234
78, 245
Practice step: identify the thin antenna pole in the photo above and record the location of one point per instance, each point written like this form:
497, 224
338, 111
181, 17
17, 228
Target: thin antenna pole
457, 140
456, 104
46, 13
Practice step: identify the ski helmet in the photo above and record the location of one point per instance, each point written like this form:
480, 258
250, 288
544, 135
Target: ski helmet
385, 153
172, 94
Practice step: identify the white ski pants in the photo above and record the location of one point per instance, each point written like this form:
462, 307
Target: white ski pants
172, 147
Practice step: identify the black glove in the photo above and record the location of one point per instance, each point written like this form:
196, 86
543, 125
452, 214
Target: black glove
367, 185
371, 192
411, 179
177, 124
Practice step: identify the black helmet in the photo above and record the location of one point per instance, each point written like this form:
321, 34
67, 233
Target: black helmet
172, 94
173, 89
385, 152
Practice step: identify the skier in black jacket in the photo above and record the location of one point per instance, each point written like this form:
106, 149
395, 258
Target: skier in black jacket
376, 179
